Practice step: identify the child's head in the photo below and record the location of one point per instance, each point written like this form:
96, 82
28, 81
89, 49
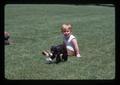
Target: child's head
66, 29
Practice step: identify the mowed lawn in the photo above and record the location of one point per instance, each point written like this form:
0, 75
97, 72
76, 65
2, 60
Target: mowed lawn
36, 27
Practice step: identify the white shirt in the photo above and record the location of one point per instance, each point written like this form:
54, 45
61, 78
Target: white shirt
68, 42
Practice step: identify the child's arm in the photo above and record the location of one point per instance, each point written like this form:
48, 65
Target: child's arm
75, 44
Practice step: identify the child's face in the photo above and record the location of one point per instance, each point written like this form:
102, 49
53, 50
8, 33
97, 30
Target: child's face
66, 32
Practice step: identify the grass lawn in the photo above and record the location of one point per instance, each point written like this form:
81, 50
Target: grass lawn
35, 27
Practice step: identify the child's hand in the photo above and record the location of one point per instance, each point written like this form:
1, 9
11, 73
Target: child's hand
78, 55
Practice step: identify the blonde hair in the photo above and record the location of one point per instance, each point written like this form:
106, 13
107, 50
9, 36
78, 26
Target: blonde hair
66, 26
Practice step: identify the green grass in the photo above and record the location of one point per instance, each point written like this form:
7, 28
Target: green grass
34, 28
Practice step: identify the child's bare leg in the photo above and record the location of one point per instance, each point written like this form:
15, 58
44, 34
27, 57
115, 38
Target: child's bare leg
70, 53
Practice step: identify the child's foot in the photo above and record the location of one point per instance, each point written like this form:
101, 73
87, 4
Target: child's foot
78, 56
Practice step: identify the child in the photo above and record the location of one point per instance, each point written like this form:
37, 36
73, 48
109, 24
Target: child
69, 41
